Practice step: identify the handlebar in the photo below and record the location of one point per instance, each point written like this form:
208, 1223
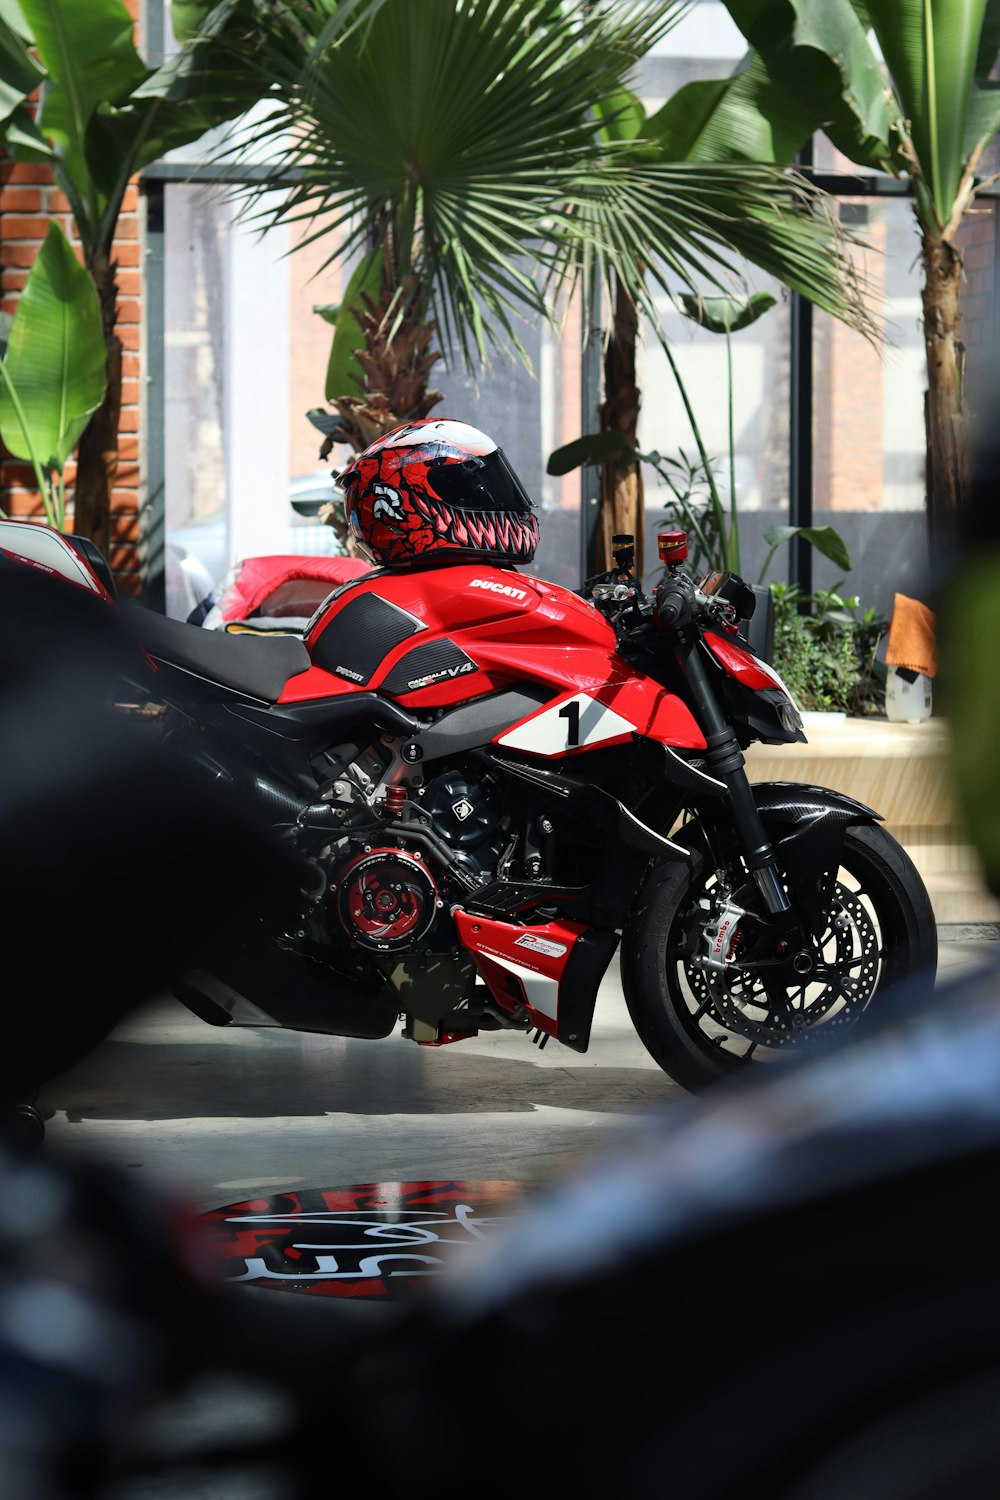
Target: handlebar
677, 601
674, 603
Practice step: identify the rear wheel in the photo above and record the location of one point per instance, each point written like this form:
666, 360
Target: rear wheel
702, 1024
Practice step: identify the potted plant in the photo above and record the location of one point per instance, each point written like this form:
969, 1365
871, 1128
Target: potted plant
827, 654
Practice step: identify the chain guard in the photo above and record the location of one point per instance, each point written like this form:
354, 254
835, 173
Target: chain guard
737, 1000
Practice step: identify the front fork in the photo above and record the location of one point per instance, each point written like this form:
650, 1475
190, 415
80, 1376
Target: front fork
725, 761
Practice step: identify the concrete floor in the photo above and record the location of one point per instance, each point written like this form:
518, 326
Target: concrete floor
219, 1114
223, 1114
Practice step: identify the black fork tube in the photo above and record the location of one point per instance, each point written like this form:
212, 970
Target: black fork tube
725, 761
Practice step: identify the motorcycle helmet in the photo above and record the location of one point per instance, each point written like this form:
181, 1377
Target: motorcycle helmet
434, 492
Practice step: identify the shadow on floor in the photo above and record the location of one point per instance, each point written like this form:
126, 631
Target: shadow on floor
293, 1075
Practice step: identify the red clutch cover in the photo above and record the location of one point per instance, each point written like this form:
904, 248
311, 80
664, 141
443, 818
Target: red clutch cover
387, 899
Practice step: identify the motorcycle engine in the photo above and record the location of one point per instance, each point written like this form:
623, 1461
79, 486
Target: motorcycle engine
387, 898
461, 808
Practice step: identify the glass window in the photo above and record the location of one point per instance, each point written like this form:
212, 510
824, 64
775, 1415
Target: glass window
246, 358
868, 425
760, 396
528, 413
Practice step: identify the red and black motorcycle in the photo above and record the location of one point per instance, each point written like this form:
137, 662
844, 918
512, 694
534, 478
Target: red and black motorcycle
491, 781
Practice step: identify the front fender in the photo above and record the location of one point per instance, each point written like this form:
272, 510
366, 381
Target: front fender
806, 824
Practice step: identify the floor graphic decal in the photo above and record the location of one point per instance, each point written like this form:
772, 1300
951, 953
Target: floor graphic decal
376, 1239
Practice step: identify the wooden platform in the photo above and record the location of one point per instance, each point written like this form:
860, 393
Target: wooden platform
900, 770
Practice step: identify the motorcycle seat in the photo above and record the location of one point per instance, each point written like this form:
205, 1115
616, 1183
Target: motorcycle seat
258, 666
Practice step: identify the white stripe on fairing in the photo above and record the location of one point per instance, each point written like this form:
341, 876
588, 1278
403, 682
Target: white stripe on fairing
547, 732
542, 993
661, 838
694, 770
40, 545
766, 667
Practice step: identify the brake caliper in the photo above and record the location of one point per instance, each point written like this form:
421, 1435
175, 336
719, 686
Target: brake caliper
719, 934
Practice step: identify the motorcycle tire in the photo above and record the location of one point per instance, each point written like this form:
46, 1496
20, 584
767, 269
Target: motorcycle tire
703, 1026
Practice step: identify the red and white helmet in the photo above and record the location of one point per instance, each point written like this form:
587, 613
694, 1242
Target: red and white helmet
437, 492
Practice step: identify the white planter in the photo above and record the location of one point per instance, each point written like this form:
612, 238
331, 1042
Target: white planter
821, 719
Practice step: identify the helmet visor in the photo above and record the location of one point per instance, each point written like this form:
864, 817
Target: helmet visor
487, 483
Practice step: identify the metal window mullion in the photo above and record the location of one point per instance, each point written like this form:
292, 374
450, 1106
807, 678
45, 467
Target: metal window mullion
153, 531
800, 429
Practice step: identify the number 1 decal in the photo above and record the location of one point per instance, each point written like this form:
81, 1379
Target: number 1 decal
571, 713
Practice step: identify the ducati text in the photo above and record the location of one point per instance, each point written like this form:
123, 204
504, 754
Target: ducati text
497, 588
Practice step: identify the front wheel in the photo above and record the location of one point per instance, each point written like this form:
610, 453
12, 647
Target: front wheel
702, 1024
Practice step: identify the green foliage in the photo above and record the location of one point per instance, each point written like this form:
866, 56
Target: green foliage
504, 192
929, 119
826, 657
344, 375
104, 114
692, 507
52, 376
20, 75
726, 314
828, 543
456, 135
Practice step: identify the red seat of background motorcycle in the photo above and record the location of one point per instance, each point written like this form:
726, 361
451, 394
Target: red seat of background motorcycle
258, 665
257, 580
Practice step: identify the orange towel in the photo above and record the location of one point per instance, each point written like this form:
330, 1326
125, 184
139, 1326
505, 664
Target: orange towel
912, 643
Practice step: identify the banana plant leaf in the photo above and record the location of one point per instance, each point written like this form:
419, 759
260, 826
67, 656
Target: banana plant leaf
932, 50
20, 75
746, 117
107, 115
622, 115
89, 56
344, 375
727, 314
188, 17
825, 539
55, 356
817, 52
592, 448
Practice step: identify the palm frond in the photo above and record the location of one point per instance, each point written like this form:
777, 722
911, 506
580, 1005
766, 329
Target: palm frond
457, 130
676, 226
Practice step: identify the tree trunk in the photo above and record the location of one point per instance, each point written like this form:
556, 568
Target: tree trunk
944, 414
621, 483
396, 375
97, 455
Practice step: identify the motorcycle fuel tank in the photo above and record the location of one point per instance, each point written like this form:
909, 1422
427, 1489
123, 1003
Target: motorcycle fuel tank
439, 637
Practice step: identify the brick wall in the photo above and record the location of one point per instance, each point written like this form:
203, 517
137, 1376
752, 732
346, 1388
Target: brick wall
28, 200
848, 401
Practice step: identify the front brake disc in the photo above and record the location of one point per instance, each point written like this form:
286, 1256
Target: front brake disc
848, 965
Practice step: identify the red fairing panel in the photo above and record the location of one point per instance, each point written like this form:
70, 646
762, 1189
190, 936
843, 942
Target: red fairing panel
740, 663
522, 965
314, 683
514, 628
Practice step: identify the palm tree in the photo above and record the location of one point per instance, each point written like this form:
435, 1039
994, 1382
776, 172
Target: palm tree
926, 110
469, 152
